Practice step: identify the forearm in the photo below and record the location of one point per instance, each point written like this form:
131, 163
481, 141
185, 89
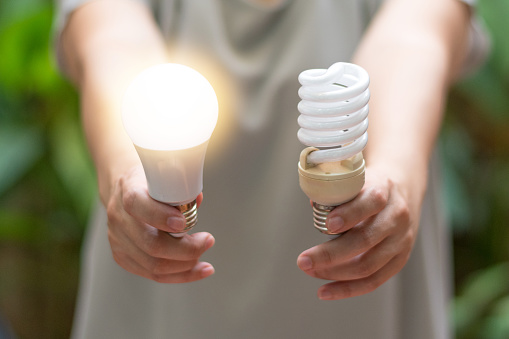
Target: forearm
103, 51
412, 51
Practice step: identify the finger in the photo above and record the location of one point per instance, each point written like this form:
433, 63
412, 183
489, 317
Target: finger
137, 202
198, 271
370, 201
161, 245
361, 266
199, 199
358, 240
351, 288
156, 243
151, 264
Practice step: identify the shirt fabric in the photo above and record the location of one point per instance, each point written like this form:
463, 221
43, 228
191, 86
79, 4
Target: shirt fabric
253, 204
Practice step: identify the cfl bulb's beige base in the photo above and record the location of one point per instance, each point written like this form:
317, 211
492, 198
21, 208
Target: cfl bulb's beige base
330, 184
190, 212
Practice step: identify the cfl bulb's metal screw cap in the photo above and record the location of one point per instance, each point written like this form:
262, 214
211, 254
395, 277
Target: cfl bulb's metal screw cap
190, 212
320, 213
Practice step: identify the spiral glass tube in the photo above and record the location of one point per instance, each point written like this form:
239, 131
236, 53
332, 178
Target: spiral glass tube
334, 111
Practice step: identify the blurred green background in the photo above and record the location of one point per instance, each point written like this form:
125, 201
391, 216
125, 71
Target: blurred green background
47, 183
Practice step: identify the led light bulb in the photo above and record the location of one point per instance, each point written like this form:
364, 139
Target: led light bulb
169, 112
333, 120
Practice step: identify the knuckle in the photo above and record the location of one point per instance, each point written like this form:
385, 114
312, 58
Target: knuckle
153, 248
367, 236
157, 277
403, 213
158, 266
129, 198
365, 269
379, 196
112, 213
194, 251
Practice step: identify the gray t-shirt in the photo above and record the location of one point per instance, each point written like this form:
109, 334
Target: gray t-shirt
253, 204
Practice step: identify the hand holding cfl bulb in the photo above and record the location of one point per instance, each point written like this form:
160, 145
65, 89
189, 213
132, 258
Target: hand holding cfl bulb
169, 112
333, 120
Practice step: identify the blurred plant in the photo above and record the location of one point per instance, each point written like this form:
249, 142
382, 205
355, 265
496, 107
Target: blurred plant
475, 147
46, 180
481, 311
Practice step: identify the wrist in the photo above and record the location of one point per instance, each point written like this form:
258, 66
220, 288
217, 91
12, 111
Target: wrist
111, 171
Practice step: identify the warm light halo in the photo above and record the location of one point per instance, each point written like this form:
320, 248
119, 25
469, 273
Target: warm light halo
169, 107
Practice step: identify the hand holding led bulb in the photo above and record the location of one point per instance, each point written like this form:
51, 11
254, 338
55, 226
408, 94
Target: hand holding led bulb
138, 224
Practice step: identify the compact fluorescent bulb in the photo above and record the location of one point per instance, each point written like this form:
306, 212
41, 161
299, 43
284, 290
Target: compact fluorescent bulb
333, 121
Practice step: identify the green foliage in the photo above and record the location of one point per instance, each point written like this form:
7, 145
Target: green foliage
47, 183
481, 309
21, 148
475, 148
46, 180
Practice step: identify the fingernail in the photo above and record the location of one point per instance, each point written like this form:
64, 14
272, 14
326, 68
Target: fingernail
205, 272
176, 223
335, 224
325, 295
304, 263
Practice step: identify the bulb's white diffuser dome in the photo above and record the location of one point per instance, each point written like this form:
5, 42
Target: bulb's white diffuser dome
169, 107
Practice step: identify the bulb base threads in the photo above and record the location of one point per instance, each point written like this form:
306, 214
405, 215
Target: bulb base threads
320, 213
190, 212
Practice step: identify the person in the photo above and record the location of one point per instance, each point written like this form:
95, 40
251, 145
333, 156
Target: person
139, 282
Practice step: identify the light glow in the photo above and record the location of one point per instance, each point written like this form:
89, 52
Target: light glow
169, 107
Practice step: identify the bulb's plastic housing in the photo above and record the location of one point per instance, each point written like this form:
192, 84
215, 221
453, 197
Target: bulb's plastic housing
174, 177
330, 184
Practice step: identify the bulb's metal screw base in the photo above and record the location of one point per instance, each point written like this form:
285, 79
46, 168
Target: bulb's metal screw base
190, 212
320, 213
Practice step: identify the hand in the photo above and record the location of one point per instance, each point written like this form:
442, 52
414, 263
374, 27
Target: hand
381, 229
138, 229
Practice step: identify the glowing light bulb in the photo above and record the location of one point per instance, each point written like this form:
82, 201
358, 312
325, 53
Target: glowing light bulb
333, 120
169, 112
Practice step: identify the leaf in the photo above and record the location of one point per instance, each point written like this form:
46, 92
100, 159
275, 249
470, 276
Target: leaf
12, 11
20, 227
481, 289
495, 13
496, 325
455, 169
26, 65
488, 92
20, 149
71, 162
